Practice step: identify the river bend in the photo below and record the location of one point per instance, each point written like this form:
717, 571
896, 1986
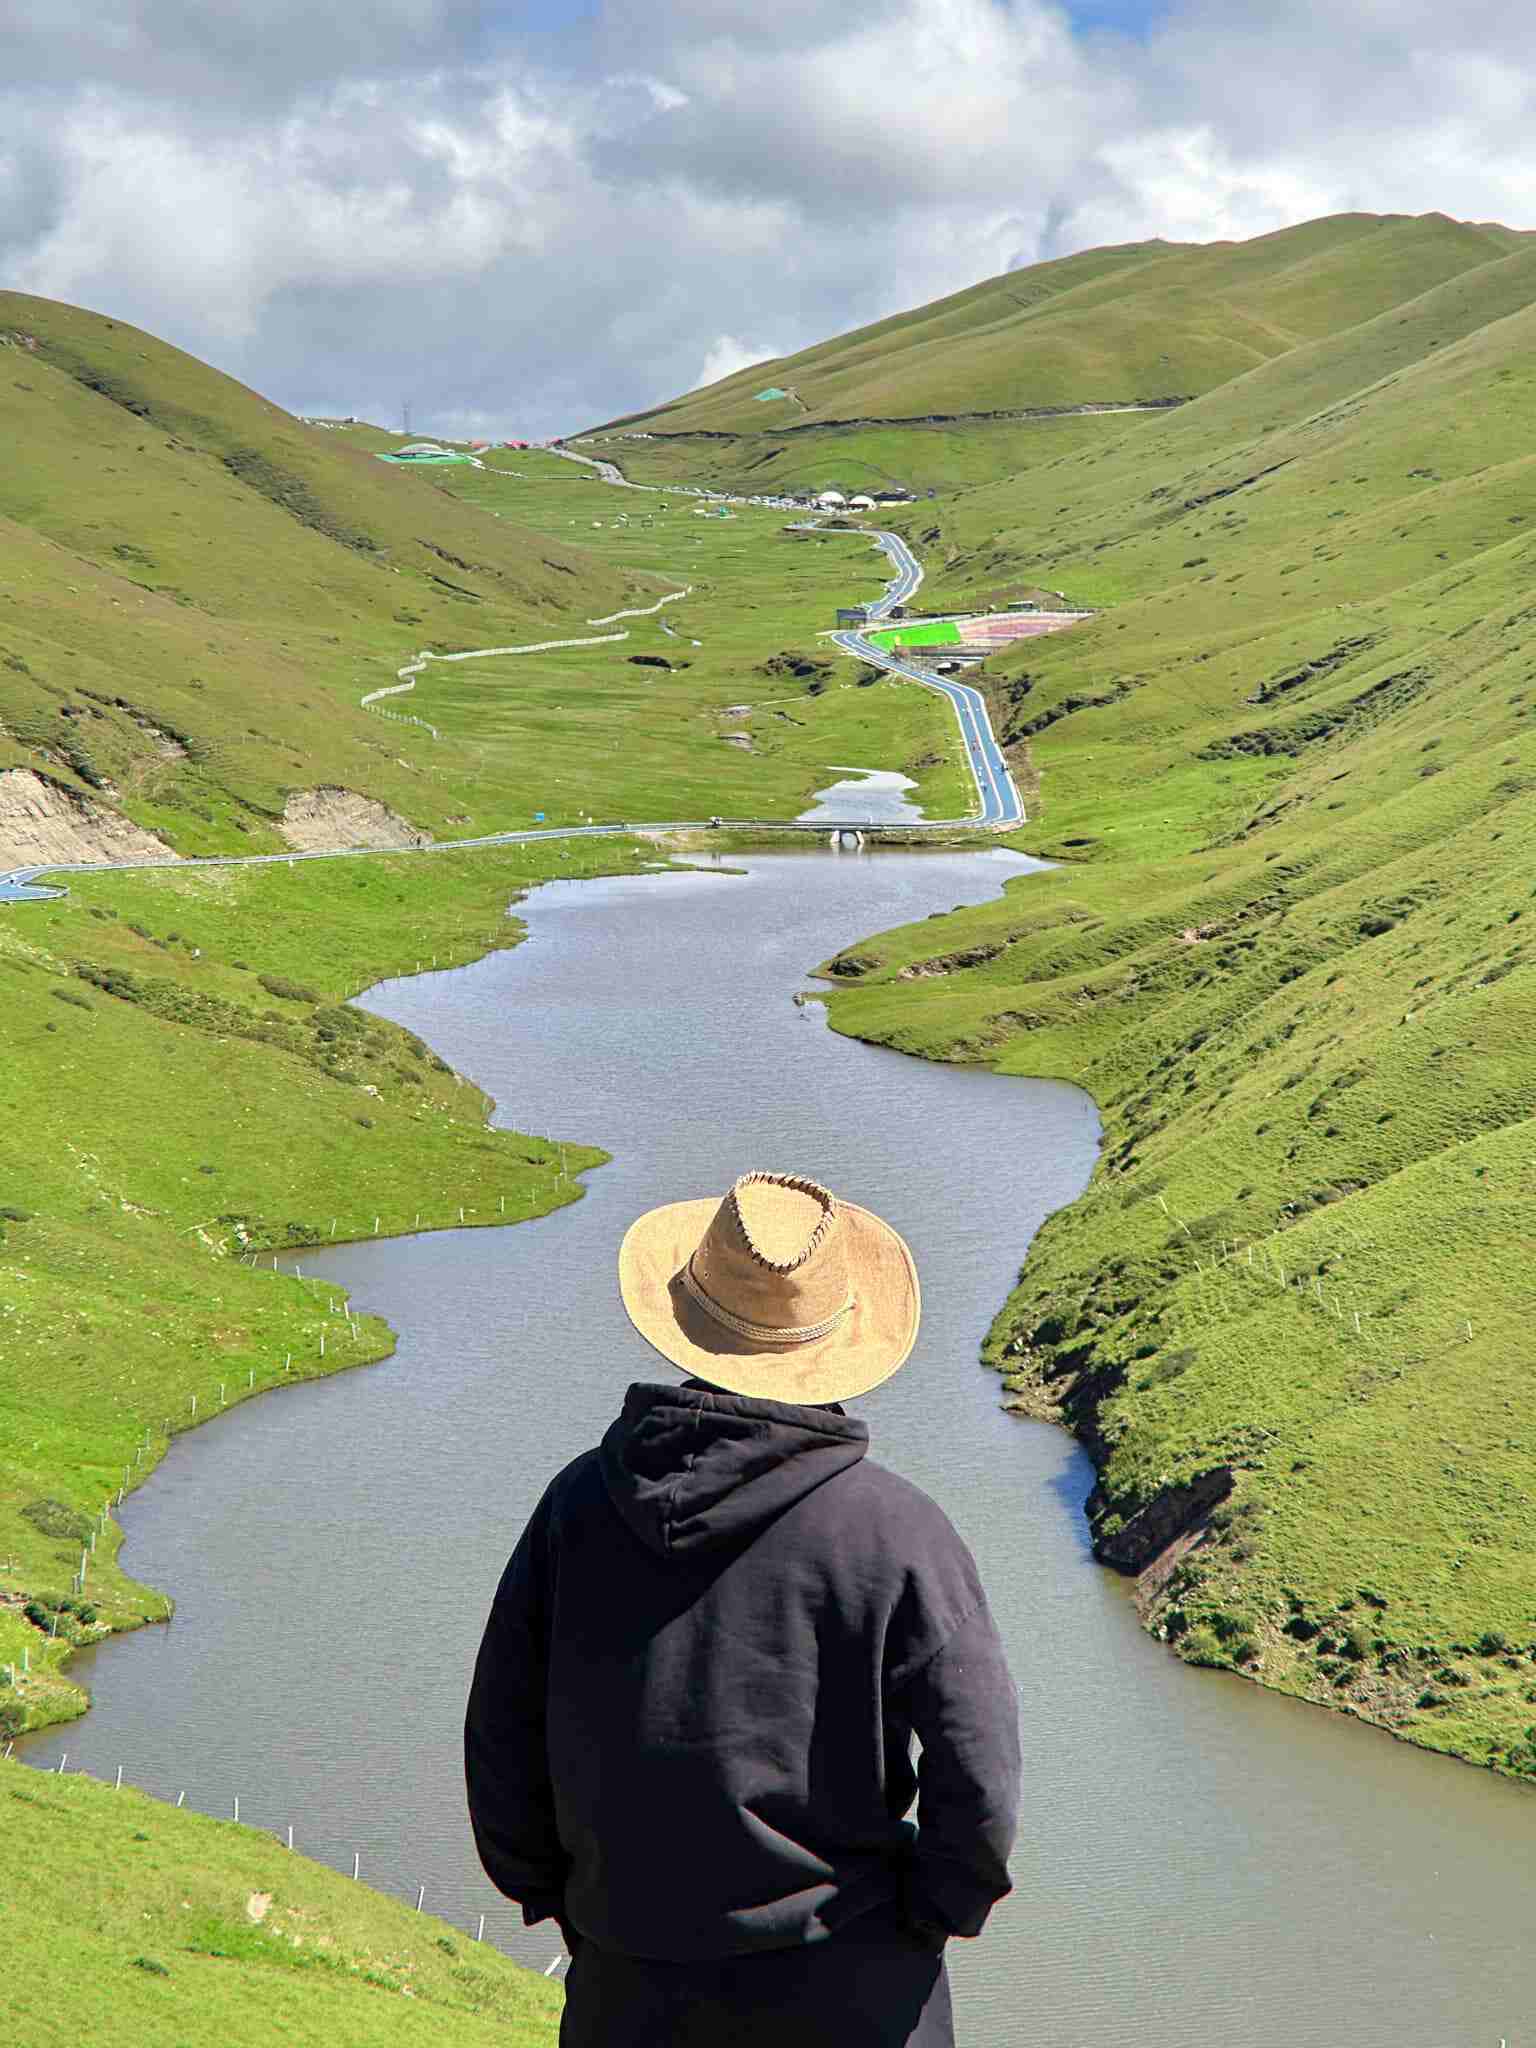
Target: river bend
1200, 1862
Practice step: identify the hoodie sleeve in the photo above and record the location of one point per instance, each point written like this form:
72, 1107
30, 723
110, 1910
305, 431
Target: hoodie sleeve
964, 1709
506, 1762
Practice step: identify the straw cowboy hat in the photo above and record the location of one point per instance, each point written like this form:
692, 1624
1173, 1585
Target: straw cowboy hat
779, 1291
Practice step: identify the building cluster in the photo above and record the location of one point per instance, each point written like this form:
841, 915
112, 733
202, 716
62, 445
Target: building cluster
862, 501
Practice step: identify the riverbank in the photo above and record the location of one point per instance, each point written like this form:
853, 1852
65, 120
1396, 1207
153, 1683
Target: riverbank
378, 1509
1286, 1320
188, 1092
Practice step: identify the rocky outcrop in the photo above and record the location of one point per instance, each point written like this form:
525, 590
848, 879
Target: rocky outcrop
42, 821
323, 820
1142, 1538
952, 963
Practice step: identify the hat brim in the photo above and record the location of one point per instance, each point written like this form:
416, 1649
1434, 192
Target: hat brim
870, 1343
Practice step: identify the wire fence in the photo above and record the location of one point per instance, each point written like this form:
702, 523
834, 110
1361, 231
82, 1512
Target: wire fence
283, 1836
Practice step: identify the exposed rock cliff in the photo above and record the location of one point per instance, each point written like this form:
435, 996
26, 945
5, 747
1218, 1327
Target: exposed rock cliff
42, 820
317, 820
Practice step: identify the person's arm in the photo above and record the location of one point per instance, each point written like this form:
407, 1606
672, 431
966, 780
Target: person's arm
964, 1709
506, 1763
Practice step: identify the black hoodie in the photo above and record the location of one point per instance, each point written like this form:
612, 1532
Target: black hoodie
691, 1723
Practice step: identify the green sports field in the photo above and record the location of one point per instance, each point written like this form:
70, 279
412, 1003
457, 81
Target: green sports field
941, 633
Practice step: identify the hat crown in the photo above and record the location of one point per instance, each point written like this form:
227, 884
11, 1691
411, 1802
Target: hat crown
774, 1256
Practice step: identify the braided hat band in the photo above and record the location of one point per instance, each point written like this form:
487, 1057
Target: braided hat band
761, 1333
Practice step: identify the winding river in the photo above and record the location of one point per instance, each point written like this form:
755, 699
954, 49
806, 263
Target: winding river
1200, 1862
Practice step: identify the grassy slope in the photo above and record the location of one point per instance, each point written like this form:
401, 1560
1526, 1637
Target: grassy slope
198, 589
182, 553
759, 592
914, 456
130, 1925
159, 1130
1148, 321
1294, 767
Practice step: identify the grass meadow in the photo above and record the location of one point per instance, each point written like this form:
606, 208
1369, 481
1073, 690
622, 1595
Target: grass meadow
130, 1922
1290, 777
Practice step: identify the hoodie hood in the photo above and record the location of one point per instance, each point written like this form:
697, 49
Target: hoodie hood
690, 1469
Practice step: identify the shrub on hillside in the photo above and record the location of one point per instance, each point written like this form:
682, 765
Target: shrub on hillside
288, 991
54, 1518
1199, 1646
336, 1017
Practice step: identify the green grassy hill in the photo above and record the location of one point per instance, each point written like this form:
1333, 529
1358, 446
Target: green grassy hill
1291, 775
1143, 323
198, 588
156, 1928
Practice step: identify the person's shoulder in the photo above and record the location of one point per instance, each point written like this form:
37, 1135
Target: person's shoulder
570, 1486
893, 1504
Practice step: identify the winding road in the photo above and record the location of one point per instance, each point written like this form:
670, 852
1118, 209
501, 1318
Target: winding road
999, 806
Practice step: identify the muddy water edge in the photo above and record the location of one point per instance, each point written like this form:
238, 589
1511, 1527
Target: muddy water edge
1199, 1861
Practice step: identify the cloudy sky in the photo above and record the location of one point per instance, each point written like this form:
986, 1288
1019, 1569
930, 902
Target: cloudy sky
533, 215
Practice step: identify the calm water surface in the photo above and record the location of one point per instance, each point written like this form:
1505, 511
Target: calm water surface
1200, 1863
878, 794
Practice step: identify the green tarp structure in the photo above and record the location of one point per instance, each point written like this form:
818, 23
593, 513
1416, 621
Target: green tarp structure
773, 391
422, 461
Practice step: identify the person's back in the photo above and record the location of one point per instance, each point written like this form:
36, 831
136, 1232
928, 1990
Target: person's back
689, 1737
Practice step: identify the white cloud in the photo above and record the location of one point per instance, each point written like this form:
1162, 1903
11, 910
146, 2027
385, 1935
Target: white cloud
536, 234
726, 355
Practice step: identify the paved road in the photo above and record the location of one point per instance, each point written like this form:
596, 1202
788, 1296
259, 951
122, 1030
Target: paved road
1000, 801
1000, 807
